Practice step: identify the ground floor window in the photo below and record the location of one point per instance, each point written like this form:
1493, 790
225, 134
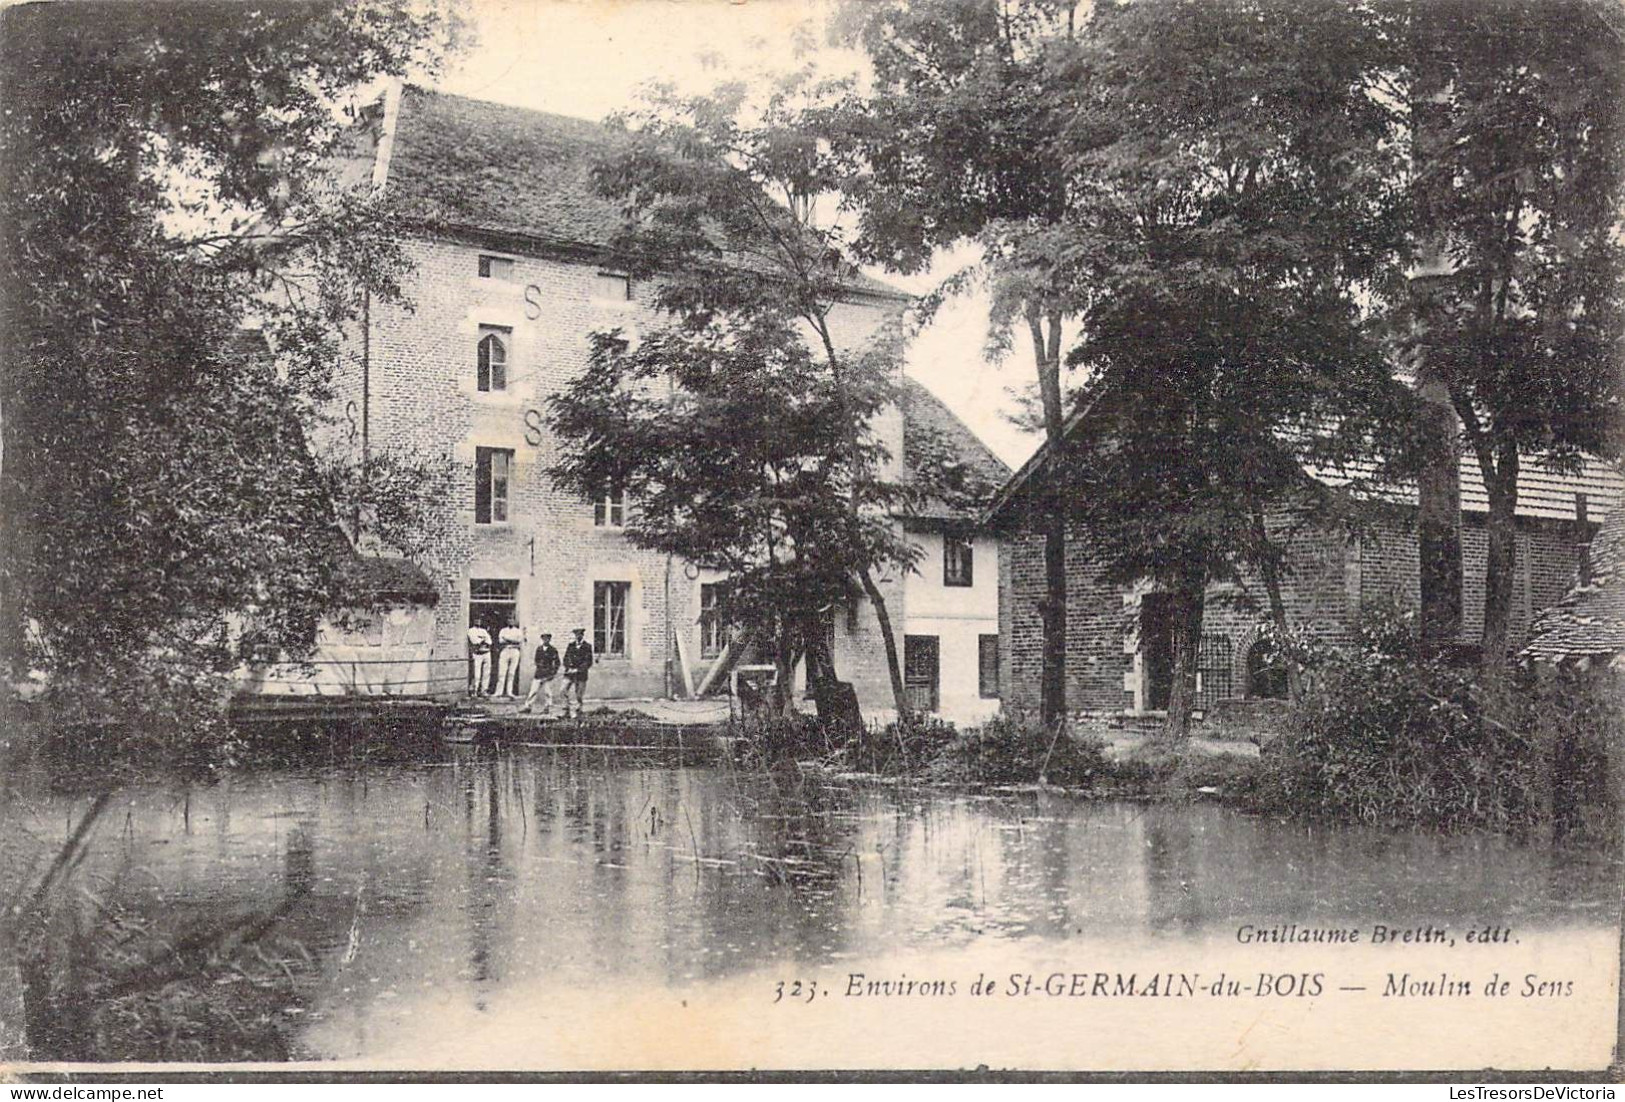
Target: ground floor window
713, 618
609, 609
987, 665
1156, 650
1213, 671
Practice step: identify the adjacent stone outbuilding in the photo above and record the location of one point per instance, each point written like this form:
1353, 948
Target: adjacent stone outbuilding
1119, 647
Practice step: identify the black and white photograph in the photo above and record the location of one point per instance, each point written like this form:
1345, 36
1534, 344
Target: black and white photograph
887, 538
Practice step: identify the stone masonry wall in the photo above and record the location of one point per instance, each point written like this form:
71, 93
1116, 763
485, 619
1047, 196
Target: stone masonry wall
1328, 581
424, 400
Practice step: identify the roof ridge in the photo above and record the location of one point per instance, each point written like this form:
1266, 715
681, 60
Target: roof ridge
440, 93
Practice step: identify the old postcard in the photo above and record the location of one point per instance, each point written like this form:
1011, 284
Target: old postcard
792, 535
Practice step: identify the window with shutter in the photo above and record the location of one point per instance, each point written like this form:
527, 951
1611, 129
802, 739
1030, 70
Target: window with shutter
496, 267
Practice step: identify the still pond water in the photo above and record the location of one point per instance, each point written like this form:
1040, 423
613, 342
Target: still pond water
437, 889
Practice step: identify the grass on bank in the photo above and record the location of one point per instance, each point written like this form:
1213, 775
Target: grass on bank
1382, 738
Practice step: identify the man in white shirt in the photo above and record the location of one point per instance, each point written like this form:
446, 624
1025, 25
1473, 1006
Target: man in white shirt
510, 646
479, 650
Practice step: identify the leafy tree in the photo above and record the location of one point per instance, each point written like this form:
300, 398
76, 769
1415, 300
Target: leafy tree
178, 266
176, 269
723, 198
1239, 163
1519, 173
961, 141
733, 441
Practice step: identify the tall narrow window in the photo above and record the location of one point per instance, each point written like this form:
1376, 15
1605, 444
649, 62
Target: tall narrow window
493, 469
609, 511
609, 603
496, 267
957, 564
987, 665
713, 618
492, 357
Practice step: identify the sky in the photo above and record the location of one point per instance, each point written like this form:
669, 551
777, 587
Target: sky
589, 58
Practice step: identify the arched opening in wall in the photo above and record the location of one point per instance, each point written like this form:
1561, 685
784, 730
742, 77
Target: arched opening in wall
1266, 671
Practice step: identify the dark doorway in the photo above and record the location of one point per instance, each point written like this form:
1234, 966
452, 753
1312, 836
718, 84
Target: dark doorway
1157, 649
491, 603
921, 672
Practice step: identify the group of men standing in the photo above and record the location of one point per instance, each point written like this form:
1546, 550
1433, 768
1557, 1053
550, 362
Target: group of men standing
509, 645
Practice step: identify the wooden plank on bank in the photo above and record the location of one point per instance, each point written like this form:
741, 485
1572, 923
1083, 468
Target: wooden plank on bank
716, 668
682, 663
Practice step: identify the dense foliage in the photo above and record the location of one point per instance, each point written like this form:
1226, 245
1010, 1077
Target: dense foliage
1519, 182
961, 141
746, 429
178, 269
1393, 736
1241, 168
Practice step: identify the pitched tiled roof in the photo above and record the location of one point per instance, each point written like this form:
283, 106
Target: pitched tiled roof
1541, 492
471, 165
467, 163
931, 428
1590, 621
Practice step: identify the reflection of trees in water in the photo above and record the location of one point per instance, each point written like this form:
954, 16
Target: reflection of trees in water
109, 968
1172, 876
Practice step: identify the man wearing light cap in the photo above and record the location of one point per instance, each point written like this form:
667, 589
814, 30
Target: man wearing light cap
577, 661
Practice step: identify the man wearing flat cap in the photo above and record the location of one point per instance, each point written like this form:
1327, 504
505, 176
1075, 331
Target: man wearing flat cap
547, 668
577, 661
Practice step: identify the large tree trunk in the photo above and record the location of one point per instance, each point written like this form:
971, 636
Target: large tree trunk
1500, 570
894, 665
1187, 629
1052, 609
1438, 484
784, 665
1438, 522
837, 706
1269, 567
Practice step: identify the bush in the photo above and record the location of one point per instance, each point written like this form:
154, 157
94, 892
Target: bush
1388, 736
1577, 718
1006, 750
768, 739
1158, 767
903, 746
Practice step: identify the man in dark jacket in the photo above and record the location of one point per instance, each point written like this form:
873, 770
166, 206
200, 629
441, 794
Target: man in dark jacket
547, 668
577, 661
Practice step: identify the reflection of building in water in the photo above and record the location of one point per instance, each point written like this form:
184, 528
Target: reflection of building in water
494, 880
